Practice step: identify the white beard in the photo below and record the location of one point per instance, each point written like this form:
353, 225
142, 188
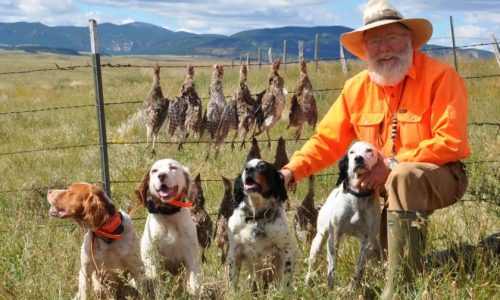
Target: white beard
390, 73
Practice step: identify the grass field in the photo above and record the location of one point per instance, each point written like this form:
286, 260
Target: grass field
39, 256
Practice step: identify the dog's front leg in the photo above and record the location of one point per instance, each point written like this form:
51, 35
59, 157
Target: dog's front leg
332, 250
330, 255
99, 288
233, 265
289, 266
136, 269
193, 272
83, 280
360, 266
315, 246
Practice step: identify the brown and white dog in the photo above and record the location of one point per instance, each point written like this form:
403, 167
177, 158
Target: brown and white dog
170, 230
258, 228
109, 247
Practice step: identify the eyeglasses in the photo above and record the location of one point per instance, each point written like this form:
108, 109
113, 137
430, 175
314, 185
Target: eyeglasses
391, 40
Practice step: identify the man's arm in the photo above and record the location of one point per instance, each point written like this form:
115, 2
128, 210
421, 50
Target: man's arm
333, 135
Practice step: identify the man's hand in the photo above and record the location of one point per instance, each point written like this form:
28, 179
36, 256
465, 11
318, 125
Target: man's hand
376, 178
288, 178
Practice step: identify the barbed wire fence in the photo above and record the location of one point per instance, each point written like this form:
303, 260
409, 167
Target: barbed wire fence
130, 102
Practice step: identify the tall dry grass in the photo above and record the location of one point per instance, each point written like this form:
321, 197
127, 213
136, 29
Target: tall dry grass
39, 256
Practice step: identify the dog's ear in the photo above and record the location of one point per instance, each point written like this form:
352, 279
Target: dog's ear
141, 191
187, 175
280, 189
238, 192
96, 207
343, 167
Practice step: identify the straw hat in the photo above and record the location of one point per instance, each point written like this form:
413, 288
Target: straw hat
381, 12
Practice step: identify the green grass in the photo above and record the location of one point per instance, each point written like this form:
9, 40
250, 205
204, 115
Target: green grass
39, 256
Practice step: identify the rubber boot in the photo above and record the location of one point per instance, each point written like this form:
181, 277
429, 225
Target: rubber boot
406, 235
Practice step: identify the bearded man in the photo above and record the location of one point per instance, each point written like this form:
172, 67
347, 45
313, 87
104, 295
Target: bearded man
414, 109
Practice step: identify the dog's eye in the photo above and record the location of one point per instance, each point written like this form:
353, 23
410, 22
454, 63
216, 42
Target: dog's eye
369, 150
154, 170
351, 152
173, 168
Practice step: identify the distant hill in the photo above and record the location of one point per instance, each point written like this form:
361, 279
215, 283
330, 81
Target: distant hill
147, 39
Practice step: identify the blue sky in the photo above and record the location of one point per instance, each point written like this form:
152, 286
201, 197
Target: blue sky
473, 20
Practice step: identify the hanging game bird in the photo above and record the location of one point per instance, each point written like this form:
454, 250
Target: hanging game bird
246, 106
281, 157
194, 109
200, 216
303, 104
306, 216
228, 122
215, 106
154, 109
254, 151
225, 211
271, 101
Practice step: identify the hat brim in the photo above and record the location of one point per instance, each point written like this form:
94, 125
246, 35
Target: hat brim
421, 32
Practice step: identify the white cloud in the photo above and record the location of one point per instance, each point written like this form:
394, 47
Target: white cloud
470, 31
127, 21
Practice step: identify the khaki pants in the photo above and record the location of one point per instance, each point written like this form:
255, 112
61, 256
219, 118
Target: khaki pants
425, 186
422, 186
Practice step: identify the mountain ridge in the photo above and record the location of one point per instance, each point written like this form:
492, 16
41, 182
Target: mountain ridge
140, 38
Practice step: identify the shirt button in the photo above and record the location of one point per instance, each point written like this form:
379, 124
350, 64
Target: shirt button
392, 95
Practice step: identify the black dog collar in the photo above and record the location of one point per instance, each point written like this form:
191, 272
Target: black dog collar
162, 210
360, 194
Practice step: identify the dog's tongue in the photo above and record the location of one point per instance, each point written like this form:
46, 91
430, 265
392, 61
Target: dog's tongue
57, 213
166, 192
249, 185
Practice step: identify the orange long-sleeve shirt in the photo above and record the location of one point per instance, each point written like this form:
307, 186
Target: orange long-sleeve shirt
431, 111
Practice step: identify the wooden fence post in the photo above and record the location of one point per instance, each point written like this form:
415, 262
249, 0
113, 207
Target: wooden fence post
270, 55
284, 54
248, 60
259, 57
96, 64
301, 49
342, 60
453, 40
496, 49
316, 51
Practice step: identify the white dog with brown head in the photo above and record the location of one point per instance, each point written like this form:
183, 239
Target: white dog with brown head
170, 230
349, 210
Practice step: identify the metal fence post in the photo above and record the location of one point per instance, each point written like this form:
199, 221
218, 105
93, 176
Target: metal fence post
96, 64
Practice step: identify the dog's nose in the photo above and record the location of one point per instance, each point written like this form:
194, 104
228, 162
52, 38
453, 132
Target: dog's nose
359, 159
162, 176
249, 169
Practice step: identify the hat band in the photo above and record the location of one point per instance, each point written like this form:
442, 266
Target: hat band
383, 18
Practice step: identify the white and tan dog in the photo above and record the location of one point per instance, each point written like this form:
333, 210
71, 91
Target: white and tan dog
349, 211
258, 229
170, 230
110, 247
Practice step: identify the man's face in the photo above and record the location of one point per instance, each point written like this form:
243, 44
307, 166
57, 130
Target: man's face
389, 53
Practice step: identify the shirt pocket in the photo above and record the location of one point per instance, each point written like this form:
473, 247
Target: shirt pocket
410, 129
367, 126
